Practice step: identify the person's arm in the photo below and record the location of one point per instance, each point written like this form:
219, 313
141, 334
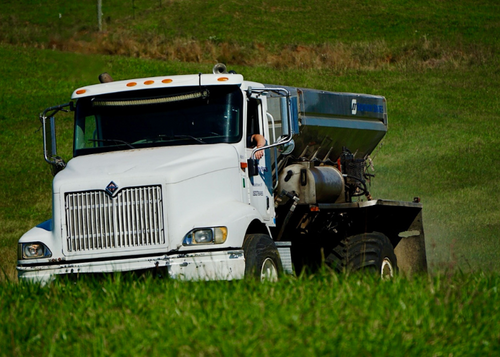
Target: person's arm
260, 141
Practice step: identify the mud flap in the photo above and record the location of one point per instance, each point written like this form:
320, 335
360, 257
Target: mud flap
410, 251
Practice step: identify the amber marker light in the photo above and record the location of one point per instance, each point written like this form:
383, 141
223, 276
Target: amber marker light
81, 91
167, 81
148, 82
222, 79
131, 84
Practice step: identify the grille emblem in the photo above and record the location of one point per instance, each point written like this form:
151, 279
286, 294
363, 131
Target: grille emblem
111, 188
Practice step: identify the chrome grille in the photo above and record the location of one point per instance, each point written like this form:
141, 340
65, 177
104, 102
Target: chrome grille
96, 221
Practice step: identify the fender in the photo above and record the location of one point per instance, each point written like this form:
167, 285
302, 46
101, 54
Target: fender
43, 233
40, 233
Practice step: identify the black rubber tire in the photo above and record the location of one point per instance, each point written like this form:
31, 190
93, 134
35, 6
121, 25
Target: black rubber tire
261, 256
370, 252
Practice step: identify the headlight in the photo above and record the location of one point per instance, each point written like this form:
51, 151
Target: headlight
216, 235
33, 251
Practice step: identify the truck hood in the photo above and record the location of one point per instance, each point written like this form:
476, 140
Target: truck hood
159, 165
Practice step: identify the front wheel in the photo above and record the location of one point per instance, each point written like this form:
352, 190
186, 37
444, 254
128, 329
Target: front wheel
365, 252
262, 260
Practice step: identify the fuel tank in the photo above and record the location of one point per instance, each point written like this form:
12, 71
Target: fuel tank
312, 184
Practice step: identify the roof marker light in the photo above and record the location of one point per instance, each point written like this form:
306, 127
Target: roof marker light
148, 82
131, 84
168, 80
81, 91
222, 79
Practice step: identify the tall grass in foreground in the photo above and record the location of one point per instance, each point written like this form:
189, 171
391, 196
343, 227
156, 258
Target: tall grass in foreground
323, 314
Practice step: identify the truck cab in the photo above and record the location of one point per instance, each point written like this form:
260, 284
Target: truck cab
159, 179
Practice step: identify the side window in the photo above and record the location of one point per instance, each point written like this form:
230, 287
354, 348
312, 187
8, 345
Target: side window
252, 120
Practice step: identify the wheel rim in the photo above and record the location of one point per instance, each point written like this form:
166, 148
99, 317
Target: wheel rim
386, 270
268, 272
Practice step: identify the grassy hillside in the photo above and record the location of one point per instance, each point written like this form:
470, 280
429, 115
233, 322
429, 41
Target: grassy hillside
435, 61
282, 34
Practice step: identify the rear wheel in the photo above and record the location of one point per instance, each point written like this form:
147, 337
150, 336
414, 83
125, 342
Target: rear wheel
262, 260
371, 252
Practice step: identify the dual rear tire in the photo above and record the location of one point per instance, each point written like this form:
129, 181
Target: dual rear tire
371, 252
367, 252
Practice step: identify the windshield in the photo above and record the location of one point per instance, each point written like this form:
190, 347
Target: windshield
148, 118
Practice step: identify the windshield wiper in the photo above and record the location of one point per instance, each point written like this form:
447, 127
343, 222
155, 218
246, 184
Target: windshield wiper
113, 141
182, 136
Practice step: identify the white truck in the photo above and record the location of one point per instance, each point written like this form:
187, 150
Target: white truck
165, 177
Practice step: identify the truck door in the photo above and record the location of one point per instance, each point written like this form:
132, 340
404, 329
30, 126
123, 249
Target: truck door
261, 185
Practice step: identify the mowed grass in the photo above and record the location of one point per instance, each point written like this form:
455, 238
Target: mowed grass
245, 21
318, 315
338, 35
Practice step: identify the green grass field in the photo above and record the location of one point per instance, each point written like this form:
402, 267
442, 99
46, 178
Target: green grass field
321, 315
437, 63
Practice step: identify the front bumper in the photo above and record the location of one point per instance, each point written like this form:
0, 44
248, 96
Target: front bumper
219, 265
